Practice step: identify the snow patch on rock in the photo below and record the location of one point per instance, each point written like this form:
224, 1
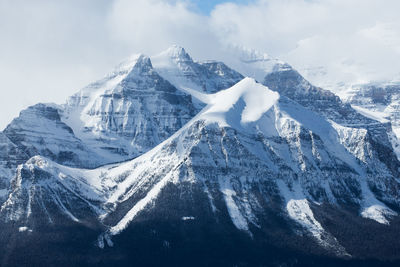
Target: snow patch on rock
378, 213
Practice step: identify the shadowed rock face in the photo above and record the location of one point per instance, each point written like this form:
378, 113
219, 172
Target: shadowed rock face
10, 157
218, 76
290, 83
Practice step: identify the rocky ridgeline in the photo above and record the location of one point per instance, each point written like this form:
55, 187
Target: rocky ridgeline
170, 144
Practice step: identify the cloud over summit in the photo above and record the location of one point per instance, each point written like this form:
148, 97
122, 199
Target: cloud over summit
50, 49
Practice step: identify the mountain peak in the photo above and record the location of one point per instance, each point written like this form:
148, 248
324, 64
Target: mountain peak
243, 103
142, 64
135, 61
178, 53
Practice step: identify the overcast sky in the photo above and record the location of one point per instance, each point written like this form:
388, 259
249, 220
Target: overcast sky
50, 49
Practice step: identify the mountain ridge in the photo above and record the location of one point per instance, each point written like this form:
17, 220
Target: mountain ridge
174, 142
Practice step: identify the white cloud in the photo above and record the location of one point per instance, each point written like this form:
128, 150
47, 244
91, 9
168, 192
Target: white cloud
151, 26
386, 34
49, 49
329, 41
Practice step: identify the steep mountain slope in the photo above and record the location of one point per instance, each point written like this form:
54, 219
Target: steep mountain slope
249, 156
129, 112
10, 157
281, 77
290, 83
138, 105
379, 101
117, 118
299, 155
39, 131
47, 191
176, 65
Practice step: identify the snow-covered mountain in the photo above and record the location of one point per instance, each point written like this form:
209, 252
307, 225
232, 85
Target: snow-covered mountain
39, 130
248, 147
176, 65
200, 157
129, 112
379, 101
46, 192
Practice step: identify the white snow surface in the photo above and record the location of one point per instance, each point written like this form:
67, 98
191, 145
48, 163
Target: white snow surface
378, 213
248, 101
238, 219
23, 229
375, 115
174, 64
188, 218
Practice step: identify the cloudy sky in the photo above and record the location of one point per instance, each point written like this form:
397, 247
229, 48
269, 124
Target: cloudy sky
50, 49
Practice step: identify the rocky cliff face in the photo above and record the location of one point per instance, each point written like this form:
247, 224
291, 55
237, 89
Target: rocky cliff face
130, 112
39, 130
10, 157
44, 192
378, 134
176, 65
379, 101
